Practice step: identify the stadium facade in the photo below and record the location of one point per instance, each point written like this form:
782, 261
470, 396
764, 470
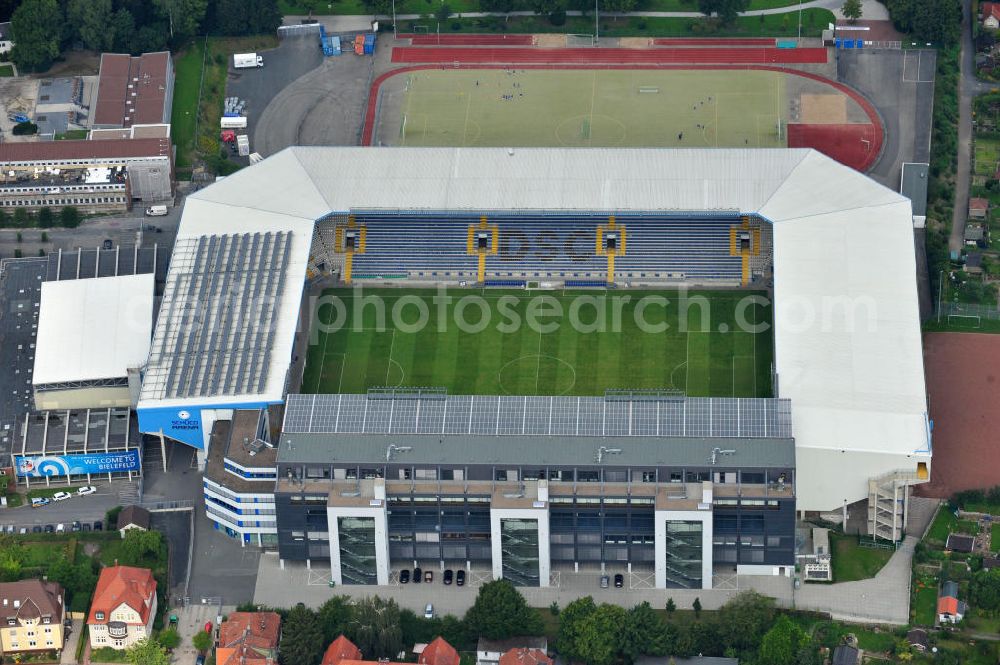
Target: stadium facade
848, 357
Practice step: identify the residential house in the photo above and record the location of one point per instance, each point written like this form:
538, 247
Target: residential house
950, 609
249, 638
990, 15
975, 235
693, 660
31, 616
133, 517
846, 655
978, 207
344, 652
973, 266
489, 652
917, 638
958, 542
522, 656
123, 608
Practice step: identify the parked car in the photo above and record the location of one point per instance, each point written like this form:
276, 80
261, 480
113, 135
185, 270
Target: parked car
429, 576
460, 578
418, 575
23, 530
448, 575
49, 528
404, 576
38, 503
60, 527
107, 244
429, 611
76, 525
200, 660
98, 525
61, 496
86, 526
619, 581
84, 491
36, 529
604, 581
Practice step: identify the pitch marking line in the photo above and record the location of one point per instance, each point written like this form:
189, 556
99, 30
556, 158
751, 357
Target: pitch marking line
322, 360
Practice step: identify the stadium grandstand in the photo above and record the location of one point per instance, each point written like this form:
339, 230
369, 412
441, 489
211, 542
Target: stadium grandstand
832, 248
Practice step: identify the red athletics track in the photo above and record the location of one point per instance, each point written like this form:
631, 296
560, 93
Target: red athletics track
877, 133
470, 40
853, 145
708, 41
519, 56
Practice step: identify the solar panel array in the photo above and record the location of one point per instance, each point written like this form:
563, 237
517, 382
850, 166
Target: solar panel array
217, 319
494, 415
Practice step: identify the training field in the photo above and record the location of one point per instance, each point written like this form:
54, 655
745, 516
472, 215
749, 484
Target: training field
638, 108
498, 352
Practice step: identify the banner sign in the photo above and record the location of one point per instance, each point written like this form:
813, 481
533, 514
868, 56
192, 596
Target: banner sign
40, 466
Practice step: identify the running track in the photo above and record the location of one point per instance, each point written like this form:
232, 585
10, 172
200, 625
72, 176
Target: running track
860, 162
706, 41
524, 56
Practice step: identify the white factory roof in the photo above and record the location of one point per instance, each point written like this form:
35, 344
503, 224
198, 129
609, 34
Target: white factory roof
93, 329
842, 243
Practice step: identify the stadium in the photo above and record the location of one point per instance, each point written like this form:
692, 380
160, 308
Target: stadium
367, 291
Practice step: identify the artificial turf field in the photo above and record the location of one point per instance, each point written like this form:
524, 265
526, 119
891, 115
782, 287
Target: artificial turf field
714, 360
639, 108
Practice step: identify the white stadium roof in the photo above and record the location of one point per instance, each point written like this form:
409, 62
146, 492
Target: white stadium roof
93, 329
842, 243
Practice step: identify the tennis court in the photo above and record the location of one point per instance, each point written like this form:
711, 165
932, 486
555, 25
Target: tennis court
585, 107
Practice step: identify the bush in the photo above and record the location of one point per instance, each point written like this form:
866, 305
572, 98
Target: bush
45, 218
17, 254
69, 217
558, 17
25, 129
456, 26
111, 518
641, 25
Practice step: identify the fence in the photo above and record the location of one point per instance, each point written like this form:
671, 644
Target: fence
297, 30
974, 312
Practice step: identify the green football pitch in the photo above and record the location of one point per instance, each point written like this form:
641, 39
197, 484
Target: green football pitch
579, 343
638, 108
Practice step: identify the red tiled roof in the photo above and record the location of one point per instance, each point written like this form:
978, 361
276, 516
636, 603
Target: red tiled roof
123, 584
976, 203
143, 102
341, 649
257, 629
948, 605
990, 9
525, 657
439, 652
58, 150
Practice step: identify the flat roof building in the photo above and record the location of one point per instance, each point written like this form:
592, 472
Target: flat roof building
133, 90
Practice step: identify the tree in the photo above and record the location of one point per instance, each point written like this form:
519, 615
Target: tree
496, 6
138, 544
69, 217
984, 592
571, 625
600, 636
443, 12
202, 641
20, 217
334, 617
744, 620
851, 10
249, 17
781, 643
302, 638
45, 218
121, 30
903, 651
934, 21
545, 6
147, 652
642, 634
375, 628
671, 606
90, 20
500, 611
37, 27
696, 606
726, 10
183, 16
169, 639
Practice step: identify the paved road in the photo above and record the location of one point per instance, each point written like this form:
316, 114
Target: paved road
84, 508
968, 87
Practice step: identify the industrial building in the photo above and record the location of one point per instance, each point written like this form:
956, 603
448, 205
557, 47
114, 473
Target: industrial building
848, 363
133, 90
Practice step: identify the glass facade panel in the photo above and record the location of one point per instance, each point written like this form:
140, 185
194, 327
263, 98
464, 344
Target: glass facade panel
683, 544
357, 550
519, 544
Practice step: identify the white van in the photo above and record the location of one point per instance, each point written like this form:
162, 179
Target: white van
156, 211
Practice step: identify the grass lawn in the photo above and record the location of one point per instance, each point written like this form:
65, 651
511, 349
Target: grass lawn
585, 108
772, 25
6, 70
108, 655
871, 641
963, 325
944, 523
530, 360
72, 135
187, 67
923, 606
461, 6
853, 562
987, 155
46, 492
995, 537
14, 500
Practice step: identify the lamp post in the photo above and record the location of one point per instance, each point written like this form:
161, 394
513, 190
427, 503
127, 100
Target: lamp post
800, 21
395, 35
597, 22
